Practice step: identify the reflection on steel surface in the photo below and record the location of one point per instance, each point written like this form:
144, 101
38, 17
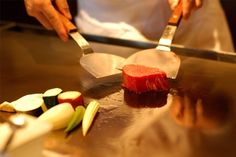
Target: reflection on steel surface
101, 64
200, 114
147, 99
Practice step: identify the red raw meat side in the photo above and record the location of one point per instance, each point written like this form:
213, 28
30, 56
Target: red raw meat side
139, 79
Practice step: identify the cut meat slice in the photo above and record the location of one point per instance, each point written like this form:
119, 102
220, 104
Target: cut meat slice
139, 79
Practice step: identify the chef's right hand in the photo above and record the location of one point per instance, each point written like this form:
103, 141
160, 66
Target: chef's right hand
48, 15
187, 6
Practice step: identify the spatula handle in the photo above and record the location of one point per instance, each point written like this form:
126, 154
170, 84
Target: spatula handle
176, 15
78, 38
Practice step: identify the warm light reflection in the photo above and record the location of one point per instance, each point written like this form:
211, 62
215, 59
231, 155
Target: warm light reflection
204, 113
18, 120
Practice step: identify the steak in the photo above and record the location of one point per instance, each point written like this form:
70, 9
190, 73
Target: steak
139, 79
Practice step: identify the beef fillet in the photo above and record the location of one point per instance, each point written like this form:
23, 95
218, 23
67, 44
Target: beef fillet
139, 79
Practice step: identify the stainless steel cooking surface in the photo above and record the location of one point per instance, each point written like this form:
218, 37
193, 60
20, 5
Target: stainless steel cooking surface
197, 118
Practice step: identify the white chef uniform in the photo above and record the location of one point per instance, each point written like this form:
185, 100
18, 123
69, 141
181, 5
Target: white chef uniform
144, 20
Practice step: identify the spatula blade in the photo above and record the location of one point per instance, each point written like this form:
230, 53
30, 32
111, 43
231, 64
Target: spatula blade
169, 62
101, 64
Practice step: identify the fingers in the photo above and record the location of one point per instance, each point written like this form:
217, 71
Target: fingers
63, 7
173, 3
29, 7
67, 23
47, 15
198, 3
53, 16
43, 20
187, 5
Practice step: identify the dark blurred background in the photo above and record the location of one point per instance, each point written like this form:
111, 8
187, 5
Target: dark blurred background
14, 10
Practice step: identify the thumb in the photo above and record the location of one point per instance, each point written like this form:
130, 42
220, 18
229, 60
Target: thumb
63, 7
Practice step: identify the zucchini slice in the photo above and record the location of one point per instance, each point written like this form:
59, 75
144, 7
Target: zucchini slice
50, 97
30, 104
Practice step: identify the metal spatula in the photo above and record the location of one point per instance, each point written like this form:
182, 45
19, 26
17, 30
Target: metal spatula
161, 57
98, 64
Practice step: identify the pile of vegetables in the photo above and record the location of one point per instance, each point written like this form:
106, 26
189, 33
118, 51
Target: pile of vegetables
64, 110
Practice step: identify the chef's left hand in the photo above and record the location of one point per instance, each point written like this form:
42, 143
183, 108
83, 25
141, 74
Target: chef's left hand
187, 5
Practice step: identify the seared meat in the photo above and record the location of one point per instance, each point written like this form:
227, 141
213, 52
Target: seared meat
139, 79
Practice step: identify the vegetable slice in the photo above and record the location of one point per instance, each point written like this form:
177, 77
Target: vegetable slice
59, 115
75, 98
50, 97
89, 115
76, 119
30, 104
7, 107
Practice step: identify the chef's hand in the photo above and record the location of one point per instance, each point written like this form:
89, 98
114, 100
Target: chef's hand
49, 15
188, 6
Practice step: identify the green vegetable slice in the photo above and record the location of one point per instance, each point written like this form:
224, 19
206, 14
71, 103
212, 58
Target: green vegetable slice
50, 97
76, 118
